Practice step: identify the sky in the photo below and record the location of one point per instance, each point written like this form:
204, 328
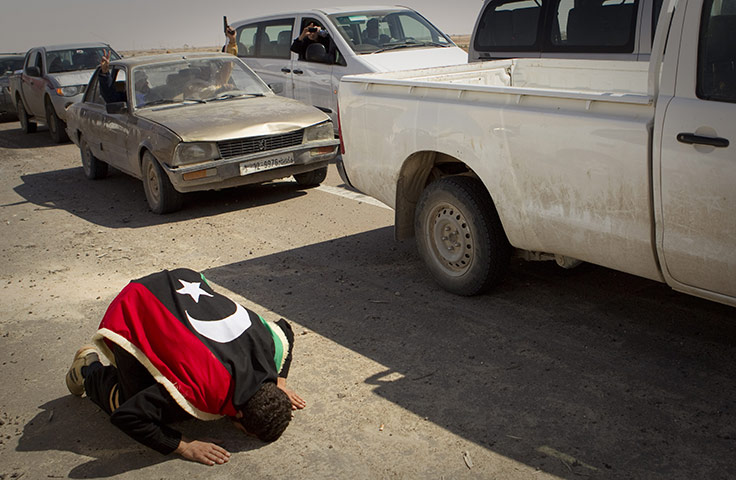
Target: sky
152, 24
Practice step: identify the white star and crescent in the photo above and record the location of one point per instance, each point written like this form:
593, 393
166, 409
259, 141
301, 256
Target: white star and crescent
224, 330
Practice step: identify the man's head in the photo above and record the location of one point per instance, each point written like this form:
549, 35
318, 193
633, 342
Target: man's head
371, 28
313, 30
267, 413
141, 82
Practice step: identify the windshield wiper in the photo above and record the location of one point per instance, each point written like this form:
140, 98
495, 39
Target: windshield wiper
228, 96
160, 101
410, 44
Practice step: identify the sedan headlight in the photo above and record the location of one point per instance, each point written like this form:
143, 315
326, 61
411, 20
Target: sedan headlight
188, 153
70, 91
323, 131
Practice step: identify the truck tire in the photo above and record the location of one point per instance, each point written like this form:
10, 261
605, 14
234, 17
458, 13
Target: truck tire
460, 237
94, 168
315, 177
27, 125
57, 126
160, 193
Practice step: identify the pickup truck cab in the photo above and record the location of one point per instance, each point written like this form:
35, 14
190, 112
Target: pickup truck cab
403, 40
628, 165
53, 77
593, 29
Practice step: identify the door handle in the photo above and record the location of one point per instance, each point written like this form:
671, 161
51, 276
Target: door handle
298, 72
286, 70
692, 139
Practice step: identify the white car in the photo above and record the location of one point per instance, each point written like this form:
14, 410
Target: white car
404, 40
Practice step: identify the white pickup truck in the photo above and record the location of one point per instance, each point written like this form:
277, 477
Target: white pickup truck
628, 165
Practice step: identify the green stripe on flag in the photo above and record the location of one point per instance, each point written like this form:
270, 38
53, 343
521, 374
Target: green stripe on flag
279, 348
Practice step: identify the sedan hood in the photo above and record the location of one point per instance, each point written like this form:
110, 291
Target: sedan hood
414, 57
65, 79
234, 118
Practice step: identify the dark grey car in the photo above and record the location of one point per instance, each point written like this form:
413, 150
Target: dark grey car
9, 62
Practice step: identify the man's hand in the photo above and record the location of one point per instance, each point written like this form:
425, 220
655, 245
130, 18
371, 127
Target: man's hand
202, 452
230, 34
296, 401
105, 62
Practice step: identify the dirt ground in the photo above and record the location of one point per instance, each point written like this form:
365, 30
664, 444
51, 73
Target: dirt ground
586, 373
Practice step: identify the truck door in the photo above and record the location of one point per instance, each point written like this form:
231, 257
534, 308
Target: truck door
698, 154
33, 86
313, 80
265, 47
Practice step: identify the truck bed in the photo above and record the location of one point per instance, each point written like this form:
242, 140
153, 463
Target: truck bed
604, 80
561, 145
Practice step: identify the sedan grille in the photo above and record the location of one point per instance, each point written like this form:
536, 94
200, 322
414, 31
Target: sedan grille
245, 146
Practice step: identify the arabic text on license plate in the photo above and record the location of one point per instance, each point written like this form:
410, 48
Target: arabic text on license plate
266, 163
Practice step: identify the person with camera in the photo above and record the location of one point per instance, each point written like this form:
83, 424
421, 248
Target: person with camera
311, 34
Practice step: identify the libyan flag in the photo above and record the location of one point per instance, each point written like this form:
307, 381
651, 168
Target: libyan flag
210, 353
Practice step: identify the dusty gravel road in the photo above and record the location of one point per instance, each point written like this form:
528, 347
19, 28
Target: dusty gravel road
557, 374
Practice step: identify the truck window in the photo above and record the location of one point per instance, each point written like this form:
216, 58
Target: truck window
369, 32
34, 60
592, 25
509, 25
717, 51
275, 39
76, 59
246, 38
333, 55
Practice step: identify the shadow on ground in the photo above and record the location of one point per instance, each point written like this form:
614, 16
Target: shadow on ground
118, 201
588, 372
76, 425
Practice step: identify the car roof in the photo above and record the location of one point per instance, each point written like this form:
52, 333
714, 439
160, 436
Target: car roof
327, 11
71, 46
132, 62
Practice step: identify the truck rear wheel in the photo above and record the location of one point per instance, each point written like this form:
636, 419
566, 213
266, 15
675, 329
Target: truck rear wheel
160, 193
460, 237
27, 125
57, 126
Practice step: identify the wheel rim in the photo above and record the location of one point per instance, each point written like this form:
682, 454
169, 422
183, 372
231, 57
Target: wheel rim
450, 239
152, 181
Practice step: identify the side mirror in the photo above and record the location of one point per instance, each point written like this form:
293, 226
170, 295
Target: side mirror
33, 71
316, 52
116, 107
276, 88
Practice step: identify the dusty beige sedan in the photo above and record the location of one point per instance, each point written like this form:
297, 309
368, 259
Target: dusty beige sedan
196, 122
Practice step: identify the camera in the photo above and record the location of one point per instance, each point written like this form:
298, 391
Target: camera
312, 29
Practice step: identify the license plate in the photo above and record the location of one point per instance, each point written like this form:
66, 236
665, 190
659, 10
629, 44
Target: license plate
266, 163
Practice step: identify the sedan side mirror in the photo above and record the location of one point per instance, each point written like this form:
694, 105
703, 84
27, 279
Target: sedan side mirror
115, 108
33, 71
276, 87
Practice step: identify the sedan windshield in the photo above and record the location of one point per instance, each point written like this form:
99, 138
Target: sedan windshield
373, 32
58, 61
195, 80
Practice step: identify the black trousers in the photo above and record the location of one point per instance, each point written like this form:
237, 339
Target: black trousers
109, 386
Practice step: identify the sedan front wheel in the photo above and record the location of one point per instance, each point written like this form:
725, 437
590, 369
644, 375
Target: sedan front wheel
160, 193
